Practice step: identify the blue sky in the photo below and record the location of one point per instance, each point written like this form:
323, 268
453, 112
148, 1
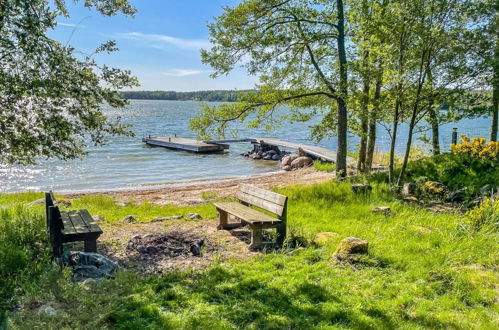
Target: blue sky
160, 45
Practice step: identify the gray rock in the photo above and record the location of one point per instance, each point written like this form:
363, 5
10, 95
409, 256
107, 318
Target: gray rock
361, 188
196, 216
173, 217
87, 265
255, 156
267, 157
286, 168
409, 189
286, 161
48, 310
301, 162
129, 219
301, 153
37, 202
276, 157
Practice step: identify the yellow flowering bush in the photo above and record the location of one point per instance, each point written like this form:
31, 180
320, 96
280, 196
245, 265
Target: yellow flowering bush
477, 147
485, 214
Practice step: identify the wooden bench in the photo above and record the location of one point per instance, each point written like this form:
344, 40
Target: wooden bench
253, 196
70, 226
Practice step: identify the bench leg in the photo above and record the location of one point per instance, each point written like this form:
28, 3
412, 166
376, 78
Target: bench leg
224, 219
281, 233
256, 238
90, 246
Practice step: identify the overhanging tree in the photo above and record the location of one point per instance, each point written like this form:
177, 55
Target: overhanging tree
298, 50
50, 98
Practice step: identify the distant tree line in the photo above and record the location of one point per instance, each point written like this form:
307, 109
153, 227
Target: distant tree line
209, 96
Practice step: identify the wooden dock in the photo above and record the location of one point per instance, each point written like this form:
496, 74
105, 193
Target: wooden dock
315, 151
184, 144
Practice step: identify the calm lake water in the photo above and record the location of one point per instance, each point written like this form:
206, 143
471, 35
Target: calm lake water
126, 163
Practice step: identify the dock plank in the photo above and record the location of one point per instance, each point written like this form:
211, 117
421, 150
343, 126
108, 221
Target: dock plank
184, 144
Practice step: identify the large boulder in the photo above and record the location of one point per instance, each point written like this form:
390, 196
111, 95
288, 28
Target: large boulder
409, 189
87, 265
350, 248
301, 162
286, 161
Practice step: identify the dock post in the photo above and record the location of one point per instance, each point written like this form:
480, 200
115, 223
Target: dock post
454, 135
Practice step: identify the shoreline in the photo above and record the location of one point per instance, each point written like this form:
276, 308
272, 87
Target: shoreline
190, 192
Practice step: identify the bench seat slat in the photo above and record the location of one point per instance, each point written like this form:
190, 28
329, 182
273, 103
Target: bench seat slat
261, 203
246, 213
68, 224
92, 225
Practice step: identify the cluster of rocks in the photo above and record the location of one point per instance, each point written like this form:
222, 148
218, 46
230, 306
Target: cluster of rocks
295, 161
265, 152
171, 244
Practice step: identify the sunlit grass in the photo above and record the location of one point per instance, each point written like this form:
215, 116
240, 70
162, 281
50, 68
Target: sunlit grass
424, 270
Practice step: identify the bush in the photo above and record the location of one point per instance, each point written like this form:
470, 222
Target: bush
24, 253
485, 215
455, 171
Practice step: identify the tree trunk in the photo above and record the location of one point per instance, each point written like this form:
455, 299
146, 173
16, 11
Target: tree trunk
435, 134
372, 121
391, 165
341, 160
364, 127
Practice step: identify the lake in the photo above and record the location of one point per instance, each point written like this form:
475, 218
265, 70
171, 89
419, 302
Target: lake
126, 163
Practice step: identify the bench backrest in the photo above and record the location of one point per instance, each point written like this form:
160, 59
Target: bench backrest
52, 211
267, 200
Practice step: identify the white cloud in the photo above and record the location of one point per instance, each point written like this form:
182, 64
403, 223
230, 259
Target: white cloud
192, 44
182, 72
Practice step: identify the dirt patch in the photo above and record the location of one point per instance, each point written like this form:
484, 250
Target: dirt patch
154, 248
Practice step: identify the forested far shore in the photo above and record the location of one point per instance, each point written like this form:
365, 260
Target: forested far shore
209, 96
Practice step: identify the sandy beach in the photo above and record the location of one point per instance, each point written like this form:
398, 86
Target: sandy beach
190, 193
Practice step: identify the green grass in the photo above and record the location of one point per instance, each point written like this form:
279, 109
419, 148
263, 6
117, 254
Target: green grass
442, 278
324, 166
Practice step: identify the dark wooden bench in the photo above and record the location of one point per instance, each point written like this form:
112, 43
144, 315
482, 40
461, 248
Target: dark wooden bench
70, 226
243, 211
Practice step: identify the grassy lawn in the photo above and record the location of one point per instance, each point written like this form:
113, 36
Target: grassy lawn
423, 270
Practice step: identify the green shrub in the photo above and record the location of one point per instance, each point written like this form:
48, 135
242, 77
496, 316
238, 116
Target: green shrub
455, 172
485, 215
324, 166
24, 253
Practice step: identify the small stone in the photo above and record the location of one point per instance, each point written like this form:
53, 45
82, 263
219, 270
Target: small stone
37, 202
195, 216
89, 282
48, 310
122, 204
410, 199
325, 238
98, 218
129, 219
351, 246
409, 189
196, 248
382, 209
361, 188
